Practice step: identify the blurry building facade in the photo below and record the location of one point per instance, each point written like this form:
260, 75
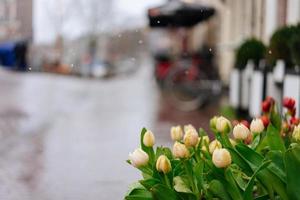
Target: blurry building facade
237, 20
15, 19
241, 19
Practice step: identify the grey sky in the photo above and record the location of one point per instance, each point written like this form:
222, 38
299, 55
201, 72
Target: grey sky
47, 14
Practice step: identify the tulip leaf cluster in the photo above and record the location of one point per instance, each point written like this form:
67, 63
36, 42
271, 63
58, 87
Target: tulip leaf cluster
242, 162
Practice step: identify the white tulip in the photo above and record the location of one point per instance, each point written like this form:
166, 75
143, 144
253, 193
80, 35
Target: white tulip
214, 145
240, 132
223, 125
180, 150
149, 139
191, 138
221, 158
188, 128
257, 126
138, 158
176, 133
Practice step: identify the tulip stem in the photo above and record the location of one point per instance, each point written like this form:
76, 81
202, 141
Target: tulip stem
167, 181
190, 176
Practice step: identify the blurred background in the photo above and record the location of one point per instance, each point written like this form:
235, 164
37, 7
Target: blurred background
79, 79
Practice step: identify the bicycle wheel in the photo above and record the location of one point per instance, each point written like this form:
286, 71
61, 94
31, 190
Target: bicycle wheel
183, 86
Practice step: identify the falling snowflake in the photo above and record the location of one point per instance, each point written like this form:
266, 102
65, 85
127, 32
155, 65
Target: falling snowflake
72, 65
210, 49
158, 22
140, 41
120, 35
270, 52
29, 68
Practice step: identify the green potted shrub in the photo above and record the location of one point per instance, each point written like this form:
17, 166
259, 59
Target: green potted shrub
295, 49
251, 49
280, 45
249, 54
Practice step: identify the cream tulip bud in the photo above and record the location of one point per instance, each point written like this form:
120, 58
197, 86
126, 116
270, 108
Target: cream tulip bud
296, 133
138, 158
191, 138
223, 125
205, 140
176, 133
213, 122
257, 126
180, 150
163, 164
188, 128
149, 139
240, 132
233, 142
221, 158
215, 144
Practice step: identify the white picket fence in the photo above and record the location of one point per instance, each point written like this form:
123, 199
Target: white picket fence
250, 86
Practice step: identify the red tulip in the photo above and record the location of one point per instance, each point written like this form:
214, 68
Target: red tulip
292, 112
270, 99
266, 105
245, 123
289, 103
265, 120
294, 120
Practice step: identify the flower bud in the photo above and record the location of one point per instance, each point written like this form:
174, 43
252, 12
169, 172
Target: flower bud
233, 142
205, 139
246, 123
176, 133
296, 133
223, 125
265, 120
266, 106
188, 128
138, 158
221, 158
294, 120
180, 150
149, 139
289, 103
249, 139
257, 126
240, 132
213, 122
163, 164
214, 145
191, 138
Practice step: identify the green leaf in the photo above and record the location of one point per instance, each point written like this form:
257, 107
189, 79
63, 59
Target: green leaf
149, 183
275, 118
292, 164
271, 177
274, 139
161, 192
138, 192
277, 159
198, 173
239, 160
180, 185
249, 188
232, 187
218, 190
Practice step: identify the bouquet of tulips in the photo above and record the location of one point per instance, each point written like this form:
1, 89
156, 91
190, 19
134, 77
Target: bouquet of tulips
259, 161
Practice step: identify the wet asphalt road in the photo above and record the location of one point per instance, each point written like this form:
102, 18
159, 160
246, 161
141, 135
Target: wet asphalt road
66, 138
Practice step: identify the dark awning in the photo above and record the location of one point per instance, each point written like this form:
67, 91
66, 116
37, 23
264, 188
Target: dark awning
179, 14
